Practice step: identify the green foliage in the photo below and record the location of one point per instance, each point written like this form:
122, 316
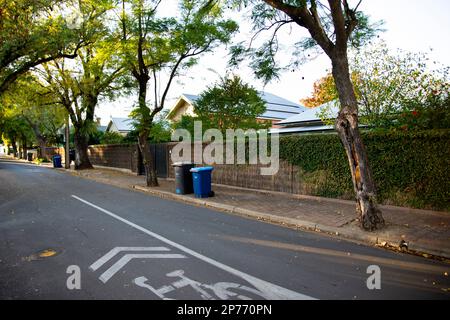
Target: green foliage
186, 122
41, 160
272, 17
96, 137
35, 32
409, 168
131, 137
112, 138
158, 49
230, 104
27, 99
400, 90
160, 131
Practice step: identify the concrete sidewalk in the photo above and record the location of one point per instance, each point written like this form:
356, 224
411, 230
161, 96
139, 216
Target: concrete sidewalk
416, 231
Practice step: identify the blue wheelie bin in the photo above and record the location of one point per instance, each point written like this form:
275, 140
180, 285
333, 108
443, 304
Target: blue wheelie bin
201, 177
57, 161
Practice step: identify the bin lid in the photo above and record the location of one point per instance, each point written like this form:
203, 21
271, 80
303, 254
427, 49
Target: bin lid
199, 169
181, 163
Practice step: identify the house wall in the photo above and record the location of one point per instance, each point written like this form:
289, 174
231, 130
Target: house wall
112, 127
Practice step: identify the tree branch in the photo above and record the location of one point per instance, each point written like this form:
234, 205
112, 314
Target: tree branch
339, 24
305, 19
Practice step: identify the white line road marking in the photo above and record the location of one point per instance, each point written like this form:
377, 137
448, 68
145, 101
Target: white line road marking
108, 274
97, 264
271, 291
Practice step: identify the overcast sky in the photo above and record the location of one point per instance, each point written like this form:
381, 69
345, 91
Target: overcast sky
412, 25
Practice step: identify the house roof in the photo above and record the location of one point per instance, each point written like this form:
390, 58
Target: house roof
191, 97
102, 128
318, 128
277, 108
122, 124
311, 115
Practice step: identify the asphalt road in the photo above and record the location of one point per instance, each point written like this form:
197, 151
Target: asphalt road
129, 245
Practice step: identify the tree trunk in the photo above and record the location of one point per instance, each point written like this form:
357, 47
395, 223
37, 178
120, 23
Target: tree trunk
147, 156
347, 127
81, 151
24, 150
42, 147
14, 145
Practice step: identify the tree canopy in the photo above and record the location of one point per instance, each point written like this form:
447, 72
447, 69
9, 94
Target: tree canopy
230, 104
35, 32
395, 90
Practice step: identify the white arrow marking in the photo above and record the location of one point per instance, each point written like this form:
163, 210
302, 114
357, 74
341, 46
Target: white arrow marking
272, 291
108, 274
97, 264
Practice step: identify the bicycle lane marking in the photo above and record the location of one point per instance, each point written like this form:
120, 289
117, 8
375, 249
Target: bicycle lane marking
271, 291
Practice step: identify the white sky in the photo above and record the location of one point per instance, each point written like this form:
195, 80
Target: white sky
412, 25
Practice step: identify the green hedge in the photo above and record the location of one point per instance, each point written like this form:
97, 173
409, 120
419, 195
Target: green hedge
409, 168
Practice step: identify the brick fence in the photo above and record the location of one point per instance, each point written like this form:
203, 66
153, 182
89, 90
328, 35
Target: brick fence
247, 176
124, 156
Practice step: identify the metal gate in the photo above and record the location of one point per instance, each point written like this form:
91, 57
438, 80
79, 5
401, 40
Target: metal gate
160, 160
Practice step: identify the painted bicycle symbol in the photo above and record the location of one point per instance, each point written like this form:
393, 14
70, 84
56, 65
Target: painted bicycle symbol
219, 290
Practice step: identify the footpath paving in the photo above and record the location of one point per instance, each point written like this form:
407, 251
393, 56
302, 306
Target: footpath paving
422, 232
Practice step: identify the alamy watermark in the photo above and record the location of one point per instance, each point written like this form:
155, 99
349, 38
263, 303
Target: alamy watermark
233, 151
73, 281
374, 280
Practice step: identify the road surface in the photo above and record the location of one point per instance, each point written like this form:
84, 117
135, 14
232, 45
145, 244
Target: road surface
64, 237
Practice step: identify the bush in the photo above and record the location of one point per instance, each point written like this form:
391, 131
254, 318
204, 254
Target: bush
112, 138
41, 160
409, 168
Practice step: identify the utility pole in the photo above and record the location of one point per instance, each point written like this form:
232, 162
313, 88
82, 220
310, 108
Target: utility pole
67, 147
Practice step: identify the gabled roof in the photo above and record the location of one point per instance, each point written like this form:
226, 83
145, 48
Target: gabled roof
191, 97
122, 124
311, 115
102, 128
277, 108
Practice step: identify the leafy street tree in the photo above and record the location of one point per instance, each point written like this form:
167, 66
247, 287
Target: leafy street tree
394, 90
78, 87
27, 101
160, 132
333, 25
398, 89
32, 33
160, 48
324, 91
13, 128
230, 104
